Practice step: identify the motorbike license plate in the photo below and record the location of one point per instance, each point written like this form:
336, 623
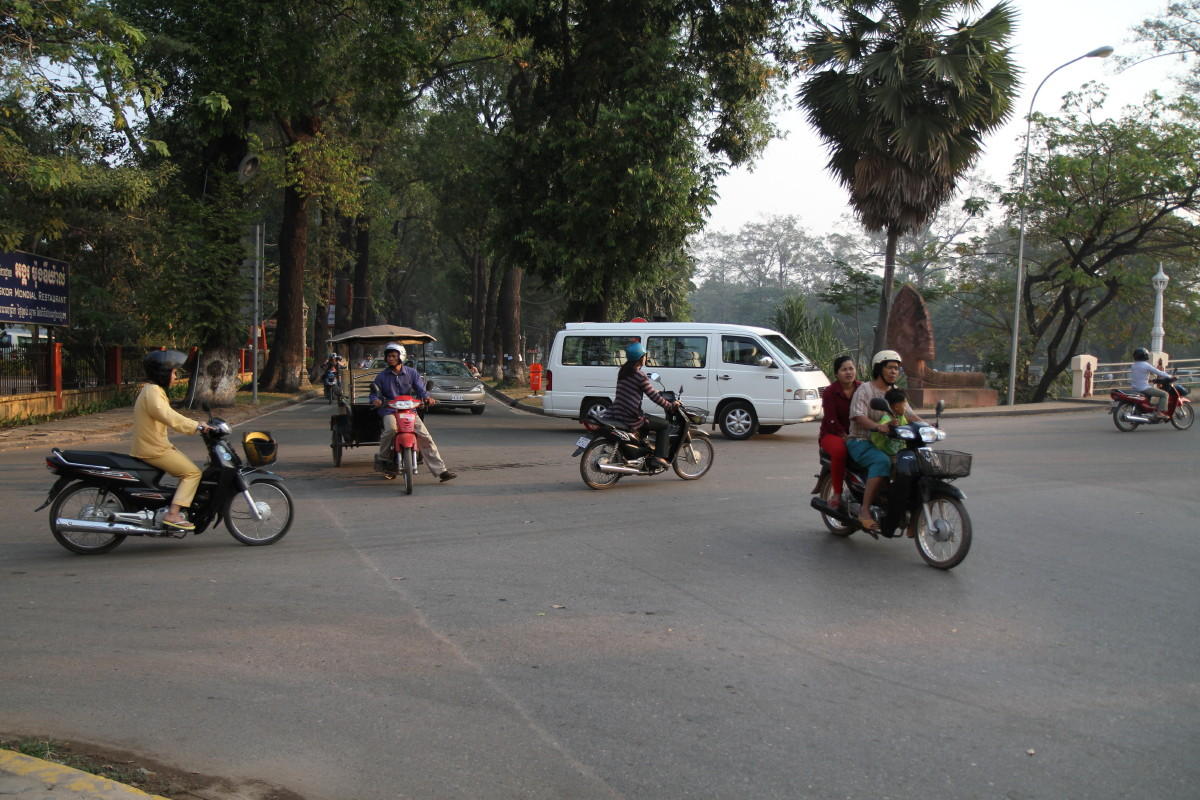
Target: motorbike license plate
581, 444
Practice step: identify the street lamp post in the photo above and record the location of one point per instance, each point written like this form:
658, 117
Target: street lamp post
1159, 282
1099, 52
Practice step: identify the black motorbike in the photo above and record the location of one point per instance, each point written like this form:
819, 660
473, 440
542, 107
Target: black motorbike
100, 498
920, 501
613, 451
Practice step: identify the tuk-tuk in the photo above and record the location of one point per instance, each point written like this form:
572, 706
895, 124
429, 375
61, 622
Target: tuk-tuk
356, 422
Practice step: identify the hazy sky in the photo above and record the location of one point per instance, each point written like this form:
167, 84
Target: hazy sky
790, 178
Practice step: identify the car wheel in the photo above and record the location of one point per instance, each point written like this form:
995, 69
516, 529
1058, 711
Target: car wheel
738, 420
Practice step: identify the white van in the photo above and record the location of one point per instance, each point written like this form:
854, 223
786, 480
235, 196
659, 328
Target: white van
750, 380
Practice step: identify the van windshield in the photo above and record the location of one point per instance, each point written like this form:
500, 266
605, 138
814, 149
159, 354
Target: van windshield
791, 356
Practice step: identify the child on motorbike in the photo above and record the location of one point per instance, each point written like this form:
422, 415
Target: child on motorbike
897, 400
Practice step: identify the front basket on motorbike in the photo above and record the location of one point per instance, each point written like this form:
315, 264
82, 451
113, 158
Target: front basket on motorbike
943, 463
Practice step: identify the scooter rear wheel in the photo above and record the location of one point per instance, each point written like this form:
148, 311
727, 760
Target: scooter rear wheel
1121, 417
600, 451
82, 501
946, 546
1183, 417
835, 525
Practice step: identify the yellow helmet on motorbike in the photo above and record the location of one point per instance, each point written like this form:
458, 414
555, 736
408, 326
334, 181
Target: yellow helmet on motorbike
260, 448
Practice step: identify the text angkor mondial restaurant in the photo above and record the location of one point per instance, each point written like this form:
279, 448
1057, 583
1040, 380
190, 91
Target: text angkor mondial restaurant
33, 290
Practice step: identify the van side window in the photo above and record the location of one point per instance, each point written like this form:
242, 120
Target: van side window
740, 350
676, 351
595, 351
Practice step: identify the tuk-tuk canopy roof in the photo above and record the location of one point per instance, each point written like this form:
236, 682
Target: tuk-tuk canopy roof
382, 334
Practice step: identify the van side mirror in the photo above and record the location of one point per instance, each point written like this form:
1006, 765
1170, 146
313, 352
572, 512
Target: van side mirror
766, 361
654, 376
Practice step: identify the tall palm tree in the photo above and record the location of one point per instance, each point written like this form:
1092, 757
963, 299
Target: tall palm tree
902, 97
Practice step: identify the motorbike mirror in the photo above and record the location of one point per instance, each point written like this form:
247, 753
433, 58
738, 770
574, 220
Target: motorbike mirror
766, 361
938, 409
207, 408
879, 404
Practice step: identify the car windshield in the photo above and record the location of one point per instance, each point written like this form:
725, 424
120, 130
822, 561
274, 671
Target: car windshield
791, 356
452, 369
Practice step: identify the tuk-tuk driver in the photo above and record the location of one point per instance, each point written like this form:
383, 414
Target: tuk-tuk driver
395, 381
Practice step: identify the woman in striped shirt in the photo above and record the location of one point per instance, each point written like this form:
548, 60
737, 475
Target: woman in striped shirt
632, 383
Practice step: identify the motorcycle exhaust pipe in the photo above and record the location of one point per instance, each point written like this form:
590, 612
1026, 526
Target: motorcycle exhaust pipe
828, 510
95, 526
1136, 418
619, 469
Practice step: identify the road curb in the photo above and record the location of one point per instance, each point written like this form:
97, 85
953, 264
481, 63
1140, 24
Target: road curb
509, 401
22, 775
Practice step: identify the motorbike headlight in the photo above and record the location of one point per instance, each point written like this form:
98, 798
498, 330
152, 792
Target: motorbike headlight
905, 433
929, 435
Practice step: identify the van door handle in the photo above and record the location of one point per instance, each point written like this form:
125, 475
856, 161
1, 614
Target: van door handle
726, 377
701, 376
771, 377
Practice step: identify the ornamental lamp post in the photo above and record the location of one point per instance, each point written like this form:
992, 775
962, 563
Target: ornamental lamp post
1099, 52
1159, 282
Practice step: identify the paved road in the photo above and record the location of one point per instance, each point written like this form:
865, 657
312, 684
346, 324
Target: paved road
514, 634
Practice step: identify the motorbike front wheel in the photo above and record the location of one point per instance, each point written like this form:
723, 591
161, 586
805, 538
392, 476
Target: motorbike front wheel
694, 459
408, 465
82, 501
947, 544
600, 451
274, 504
1121, 417
1183, 417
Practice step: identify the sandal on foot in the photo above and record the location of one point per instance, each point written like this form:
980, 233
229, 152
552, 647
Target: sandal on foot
179, 525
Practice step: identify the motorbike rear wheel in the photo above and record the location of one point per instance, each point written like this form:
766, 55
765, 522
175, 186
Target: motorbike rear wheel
82, 501
274, 503
1183, 417
1121, 417
408, 465
946, 546
835, 525
600, 451
694, 459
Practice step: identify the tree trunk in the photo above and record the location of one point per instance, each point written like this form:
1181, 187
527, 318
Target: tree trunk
478, 304
885, 294
285, 366
216, 380
511, 323
362, 278
492, 344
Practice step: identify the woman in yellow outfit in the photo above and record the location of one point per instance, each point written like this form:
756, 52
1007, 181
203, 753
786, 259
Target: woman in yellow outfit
152, 415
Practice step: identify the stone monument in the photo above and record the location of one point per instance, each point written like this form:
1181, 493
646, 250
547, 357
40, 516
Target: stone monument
910, 333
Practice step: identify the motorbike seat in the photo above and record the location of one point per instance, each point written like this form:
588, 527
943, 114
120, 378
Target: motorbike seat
118, 461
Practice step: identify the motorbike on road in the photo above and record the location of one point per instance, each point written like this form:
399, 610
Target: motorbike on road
1131, 408
612, 451
920, 501
99, 498
404, 446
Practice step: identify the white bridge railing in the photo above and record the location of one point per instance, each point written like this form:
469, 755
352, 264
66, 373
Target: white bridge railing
1093, 378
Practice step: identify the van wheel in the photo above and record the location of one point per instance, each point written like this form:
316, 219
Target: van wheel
769, 428
738, 420
599, 407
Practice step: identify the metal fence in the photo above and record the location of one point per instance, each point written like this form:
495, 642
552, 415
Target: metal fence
1115, 375
30, 369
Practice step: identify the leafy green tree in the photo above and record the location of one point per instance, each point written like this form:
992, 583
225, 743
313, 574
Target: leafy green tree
816, 336
903, 97
623, 114
1105, 197
1176, 29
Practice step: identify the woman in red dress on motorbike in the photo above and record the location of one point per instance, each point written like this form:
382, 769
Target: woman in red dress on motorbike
835, 423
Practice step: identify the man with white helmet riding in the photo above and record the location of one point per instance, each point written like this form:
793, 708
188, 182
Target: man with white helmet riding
395, 381
864, 420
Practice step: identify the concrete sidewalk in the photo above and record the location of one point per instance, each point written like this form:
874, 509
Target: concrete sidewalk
28, 778
80, 433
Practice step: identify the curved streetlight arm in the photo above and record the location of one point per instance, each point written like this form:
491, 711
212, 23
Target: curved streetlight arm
1099, 52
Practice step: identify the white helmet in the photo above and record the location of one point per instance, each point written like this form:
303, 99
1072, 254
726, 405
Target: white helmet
886, 355
399, 348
